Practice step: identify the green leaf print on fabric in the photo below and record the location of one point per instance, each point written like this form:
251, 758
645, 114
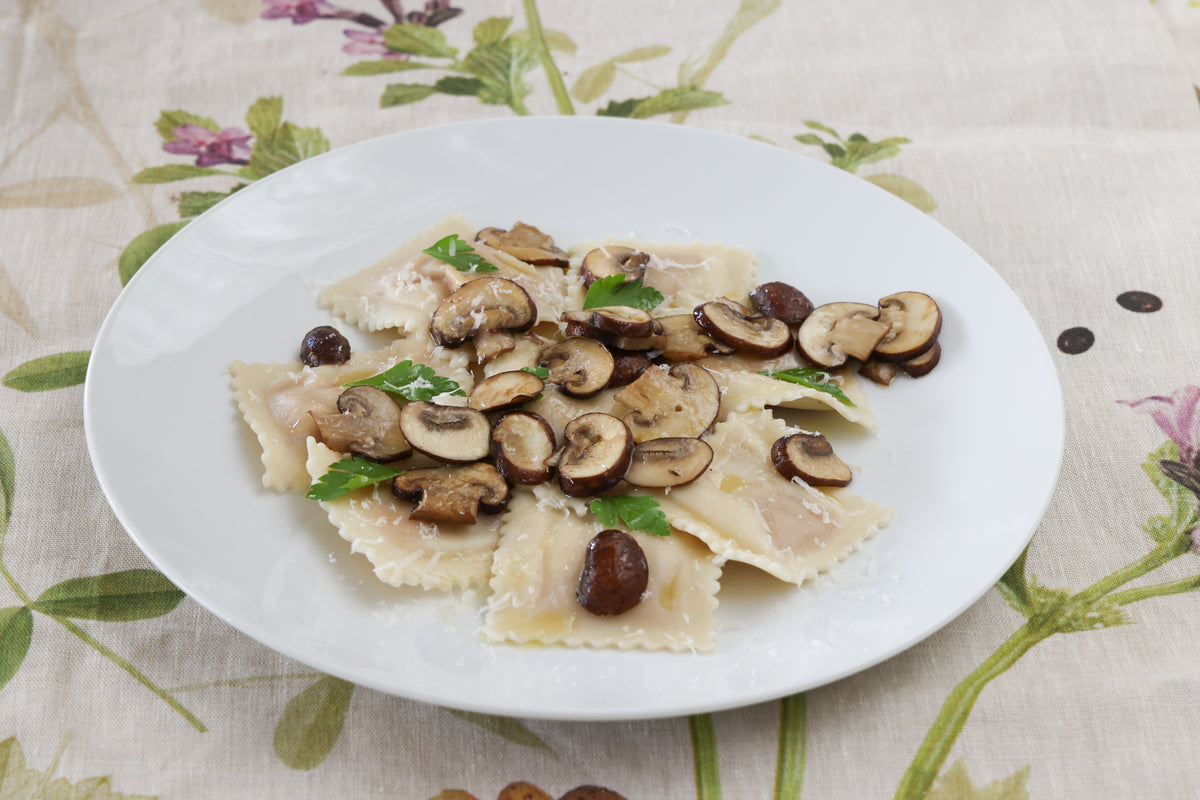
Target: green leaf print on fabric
598, 79
19, 782
506, 728
16, 632
144, 245
168, 121
312, 722
857, 150
174, 172
956, 784
116, 597
904, 188
704, 757
8, 486
44, 374
383, 67
59, 193
419, 40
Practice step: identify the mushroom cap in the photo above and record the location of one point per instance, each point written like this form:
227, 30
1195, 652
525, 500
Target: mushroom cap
488, 304
738, 327
608, 260
837, 331
526, 243
681, 401
924, 363
809, 457
447, 433
597, 451
580, 367
522, 443
505, 390
914, 322
614, 575
368, 425
782, 301
671, 461
453, 494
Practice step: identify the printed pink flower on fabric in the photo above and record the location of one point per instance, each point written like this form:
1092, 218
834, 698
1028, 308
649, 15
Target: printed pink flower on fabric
1178, 416
298, 11
230, 146
369, 43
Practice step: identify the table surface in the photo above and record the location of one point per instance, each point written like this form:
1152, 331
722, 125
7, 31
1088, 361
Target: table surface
1060, 141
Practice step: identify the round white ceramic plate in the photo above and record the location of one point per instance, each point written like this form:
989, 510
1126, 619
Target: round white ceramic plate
967, 458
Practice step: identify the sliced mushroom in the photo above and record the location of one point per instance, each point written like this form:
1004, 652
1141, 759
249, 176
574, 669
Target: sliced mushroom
627, 366
881, 372
738, 327
368, 425
609, 260
679, 338
924, 363
490, 344
597, 451
681, 401
614, 575
505, 390
914, 322
522, 444
526, 243
453, 494
447, 433
487, 305
809, 457
837, 331
672, 461
579, 367
782, 301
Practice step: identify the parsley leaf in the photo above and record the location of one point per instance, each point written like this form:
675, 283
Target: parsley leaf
813, 379
458, 254
539, 372
614, 290
347, 475
412, 382
637, 513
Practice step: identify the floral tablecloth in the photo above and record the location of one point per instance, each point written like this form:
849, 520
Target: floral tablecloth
1060, 140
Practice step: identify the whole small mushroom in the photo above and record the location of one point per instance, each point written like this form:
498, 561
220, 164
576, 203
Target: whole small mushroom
782, 301
615, 574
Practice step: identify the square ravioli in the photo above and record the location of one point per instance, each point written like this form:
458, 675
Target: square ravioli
535, 575
403, 551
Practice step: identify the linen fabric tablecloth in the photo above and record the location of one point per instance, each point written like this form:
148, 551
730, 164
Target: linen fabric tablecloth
1060, 140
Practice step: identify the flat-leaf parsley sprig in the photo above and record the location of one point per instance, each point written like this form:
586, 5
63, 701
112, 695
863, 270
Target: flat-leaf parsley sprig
350, 474
411, 381
635, 513
615, 290
813, 379
456, 252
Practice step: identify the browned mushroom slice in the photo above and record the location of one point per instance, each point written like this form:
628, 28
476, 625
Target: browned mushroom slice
782, 301
597, 451
453, 494
809, 457
736, 326
579, 367
488, 305
914, 322
679, 338
614, 575
447, 433
526, 243
490, 344
368, 425
627, 366
681, 401
522, 443
837, 331
673, 461
881, 372
623, 321
505, 390
609, 260
924, 363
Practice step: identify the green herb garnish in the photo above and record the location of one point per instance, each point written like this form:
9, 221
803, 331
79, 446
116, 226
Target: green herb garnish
412, 382
615, 290
813, 379
347, 475
540, 372
459, 254
637, 513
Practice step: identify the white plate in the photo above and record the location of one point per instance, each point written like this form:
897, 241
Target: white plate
968, 456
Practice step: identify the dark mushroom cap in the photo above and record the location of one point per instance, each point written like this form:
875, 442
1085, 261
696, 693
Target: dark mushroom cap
526, 243
782, 301
608, 260
671, 461
809, 457
368, 425
736, 326
447, 433
614, 575
681, 401
453, 494
522, 443
837, 331
914, 322
580, 367
505, 390
597, 451
323, 345
488, 304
